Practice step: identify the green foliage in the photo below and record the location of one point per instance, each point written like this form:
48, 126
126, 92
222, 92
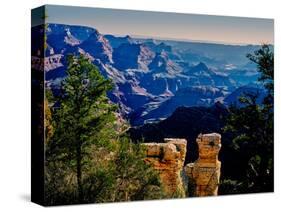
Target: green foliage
252, 128
87, 160
264, 58
136, 180
231, 187
49, 129
83, 118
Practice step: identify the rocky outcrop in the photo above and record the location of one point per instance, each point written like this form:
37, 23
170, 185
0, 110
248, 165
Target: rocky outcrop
47, 63
70, 39
98, 47
162, 64
168, 159
204, 173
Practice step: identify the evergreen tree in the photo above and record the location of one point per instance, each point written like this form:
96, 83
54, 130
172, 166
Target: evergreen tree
88, 159
135, 179
84, 116
125, 177
252, 128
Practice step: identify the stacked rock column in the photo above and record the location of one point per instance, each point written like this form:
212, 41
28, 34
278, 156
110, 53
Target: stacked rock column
205, 172
168, 159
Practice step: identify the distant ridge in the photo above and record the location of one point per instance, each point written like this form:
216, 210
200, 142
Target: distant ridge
151, 77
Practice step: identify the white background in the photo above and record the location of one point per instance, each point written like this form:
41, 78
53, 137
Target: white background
15, 104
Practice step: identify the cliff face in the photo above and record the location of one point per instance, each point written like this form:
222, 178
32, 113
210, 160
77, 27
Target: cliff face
168, 159
160, 76
204, 173
47, 63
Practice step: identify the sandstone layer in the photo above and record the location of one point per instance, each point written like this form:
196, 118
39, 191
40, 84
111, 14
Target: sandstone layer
168, 159
204, 173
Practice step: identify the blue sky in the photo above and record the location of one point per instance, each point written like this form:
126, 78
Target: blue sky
177, 26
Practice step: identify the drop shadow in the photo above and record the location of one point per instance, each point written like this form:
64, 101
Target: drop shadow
25, 197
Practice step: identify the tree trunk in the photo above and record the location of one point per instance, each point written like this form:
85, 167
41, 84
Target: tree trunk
79, 173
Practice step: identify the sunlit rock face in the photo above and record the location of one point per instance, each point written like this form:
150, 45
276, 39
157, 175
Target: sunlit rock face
152, 78
204, 173
168, 159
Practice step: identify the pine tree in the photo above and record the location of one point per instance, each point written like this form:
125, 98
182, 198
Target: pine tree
135, 179
84, 116
252, 128
89, 158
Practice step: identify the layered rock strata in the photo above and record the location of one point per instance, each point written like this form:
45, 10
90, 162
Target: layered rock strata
168, 159
204, 173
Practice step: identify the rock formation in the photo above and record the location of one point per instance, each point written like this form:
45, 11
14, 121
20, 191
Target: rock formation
204, 173
47, 63
168, 158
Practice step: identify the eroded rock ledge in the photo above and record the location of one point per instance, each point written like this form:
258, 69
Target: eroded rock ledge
205, 171
204, 174
168, 159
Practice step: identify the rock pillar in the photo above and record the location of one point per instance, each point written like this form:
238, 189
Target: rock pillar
204, 173
168, 159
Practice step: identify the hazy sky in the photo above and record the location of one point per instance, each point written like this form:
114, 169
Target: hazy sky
166, 25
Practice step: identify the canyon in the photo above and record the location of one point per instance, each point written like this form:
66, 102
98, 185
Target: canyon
151, 77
